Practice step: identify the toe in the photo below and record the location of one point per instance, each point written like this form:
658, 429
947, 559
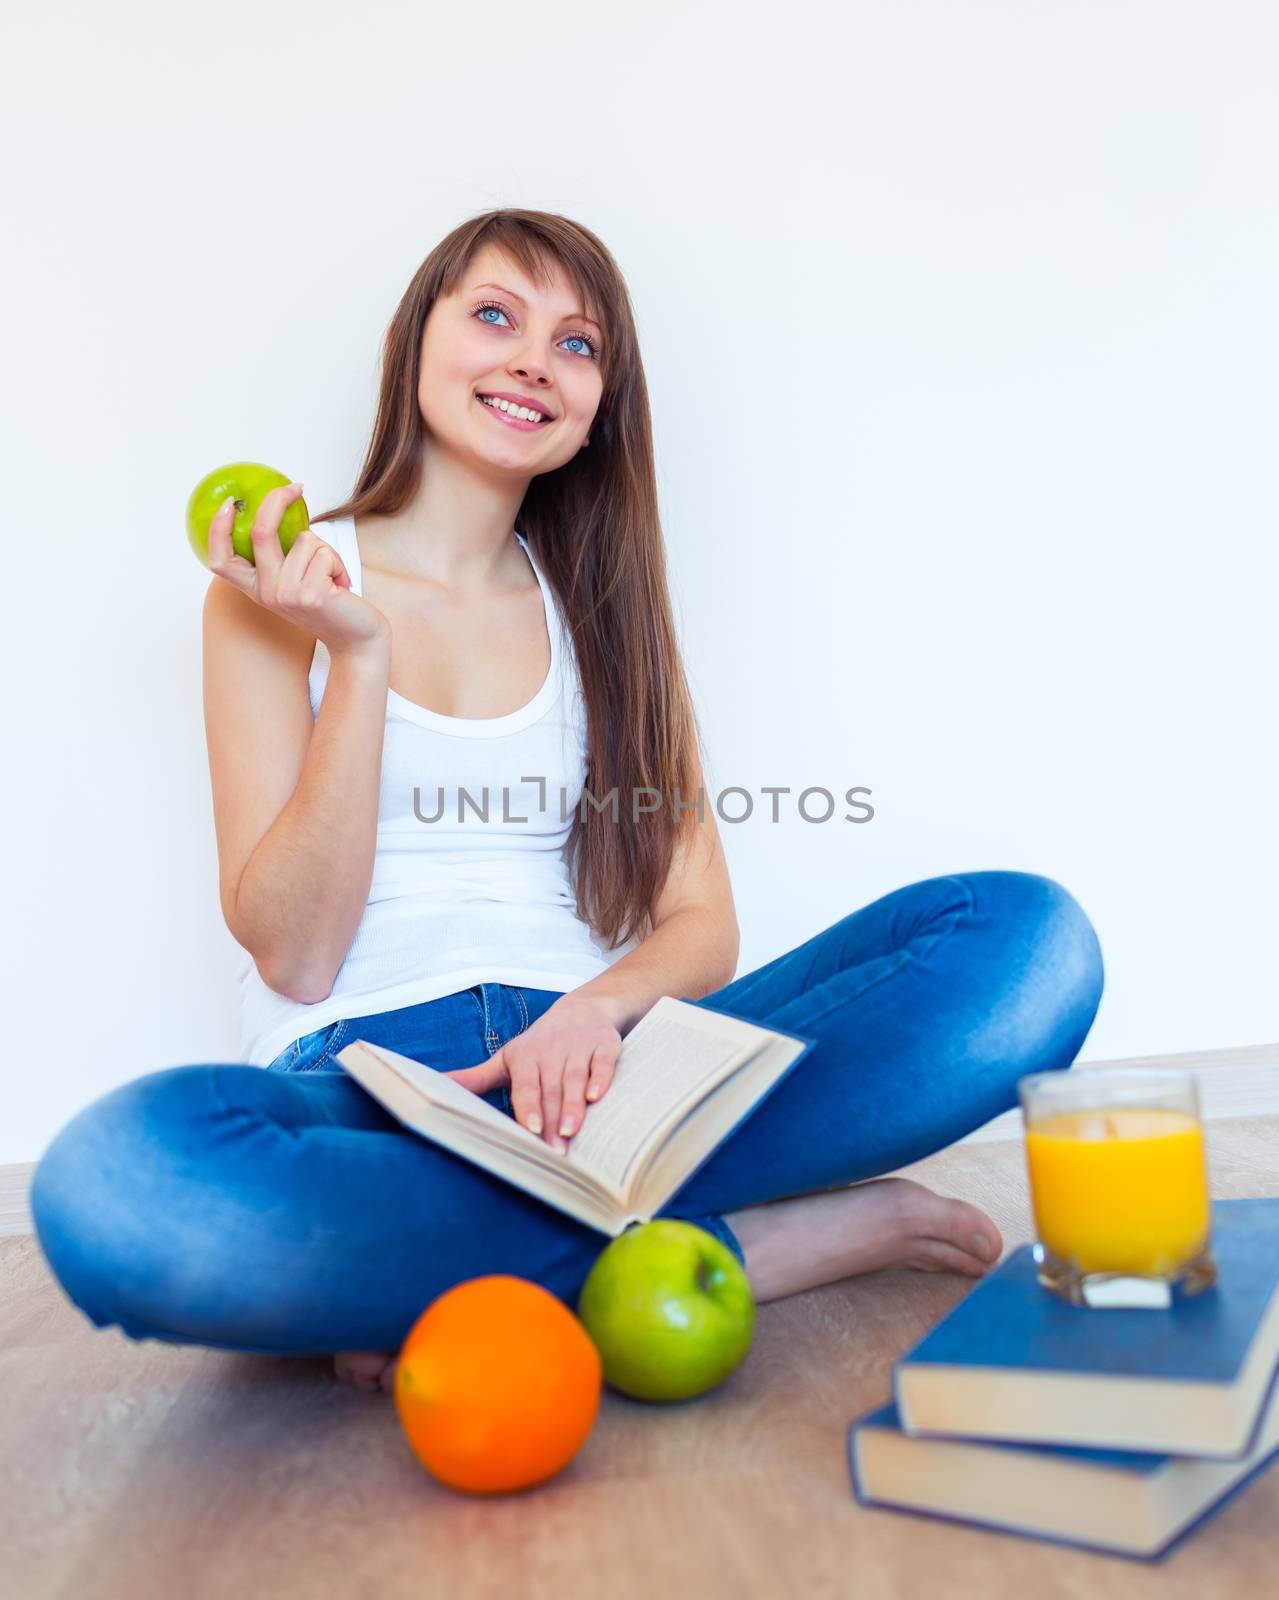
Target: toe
935, 1255
932, 1216
363, 1368
972, 1231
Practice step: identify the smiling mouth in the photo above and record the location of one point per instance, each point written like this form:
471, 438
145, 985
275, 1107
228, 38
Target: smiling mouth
486, 402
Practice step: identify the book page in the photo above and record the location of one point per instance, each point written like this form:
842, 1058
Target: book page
706, 1124
667, 1062
439, 1108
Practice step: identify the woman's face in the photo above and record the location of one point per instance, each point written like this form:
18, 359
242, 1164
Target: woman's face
514, 339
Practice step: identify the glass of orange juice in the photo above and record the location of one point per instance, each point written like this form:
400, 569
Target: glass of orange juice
1118, 1184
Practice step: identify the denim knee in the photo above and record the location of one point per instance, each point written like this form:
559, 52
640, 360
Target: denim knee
70, 1197
1075, 945
97, 1197
1064, 973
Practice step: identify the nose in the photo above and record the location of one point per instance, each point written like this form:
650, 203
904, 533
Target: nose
527, 366
530, 372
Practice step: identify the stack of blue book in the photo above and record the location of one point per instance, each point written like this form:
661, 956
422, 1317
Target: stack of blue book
1119, 1430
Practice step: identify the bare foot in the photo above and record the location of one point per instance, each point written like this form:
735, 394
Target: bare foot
366, 1369
796, 1244
811, 1239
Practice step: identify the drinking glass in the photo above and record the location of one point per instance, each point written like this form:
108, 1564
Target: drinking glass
1118, 1184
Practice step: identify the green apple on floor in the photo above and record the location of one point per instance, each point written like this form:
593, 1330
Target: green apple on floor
248, 483
670, 1310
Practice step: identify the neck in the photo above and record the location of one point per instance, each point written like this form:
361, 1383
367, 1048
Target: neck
458, 530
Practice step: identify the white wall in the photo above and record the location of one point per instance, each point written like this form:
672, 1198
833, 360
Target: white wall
960, 327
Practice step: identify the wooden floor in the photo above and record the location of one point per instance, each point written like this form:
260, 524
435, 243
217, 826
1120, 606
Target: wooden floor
138, 1470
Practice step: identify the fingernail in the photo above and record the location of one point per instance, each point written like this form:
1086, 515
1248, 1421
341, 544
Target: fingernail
567, 1125
593, 1093
229, 501
535, 1123
981, 1246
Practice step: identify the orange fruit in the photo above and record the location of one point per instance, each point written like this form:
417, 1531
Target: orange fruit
497, 1385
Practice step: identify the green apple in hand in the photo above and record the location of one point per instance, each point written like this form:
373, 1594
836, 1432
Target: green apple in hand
248, 483
670, 1310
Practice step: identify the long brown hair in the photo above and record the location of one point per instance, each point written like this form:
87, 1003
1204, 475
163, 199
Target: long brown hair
594, 529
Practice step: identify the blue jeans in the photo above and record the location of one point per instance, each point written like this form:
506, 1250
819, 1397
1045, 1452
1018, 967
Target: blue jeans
285, 1212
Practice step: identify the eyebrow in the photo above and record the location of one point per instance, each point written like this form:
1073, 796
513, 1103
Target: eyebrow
567, 317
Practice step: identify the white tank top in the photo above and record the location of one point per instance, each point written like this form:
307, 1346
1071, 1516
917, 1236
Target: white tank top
456, 902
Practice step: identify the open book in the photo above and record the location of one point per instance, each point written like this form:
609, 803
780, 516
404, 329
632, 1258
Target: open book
685, 1078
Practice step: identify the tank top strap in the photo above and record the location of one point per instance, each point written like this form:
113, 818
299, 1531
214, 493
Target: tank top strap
549, 598
341, 535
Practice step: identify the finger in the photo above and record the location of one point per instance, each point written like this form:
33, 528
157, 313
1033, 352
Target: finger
603, 1065
573, 1105
336, 573
223, 560
315, 577
526, 1097
552, 1095
301, 552
265, 533
478, 1079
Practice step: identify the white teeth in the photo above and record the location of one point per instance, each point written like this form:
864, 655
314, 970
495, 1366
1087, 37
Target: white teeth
514, 411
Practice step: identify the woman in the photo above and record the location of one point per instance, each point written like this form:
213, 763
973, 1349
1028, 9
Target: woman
358, 700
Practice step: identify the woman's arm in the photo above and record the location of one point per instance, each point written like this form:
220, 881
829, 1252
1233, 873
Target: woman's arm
294, 798
569, 1054
693, 948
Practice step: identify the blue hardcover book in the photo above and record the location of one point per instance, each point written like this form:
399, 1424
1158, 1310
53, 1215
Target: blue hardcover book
1116, 1501
1013, 1361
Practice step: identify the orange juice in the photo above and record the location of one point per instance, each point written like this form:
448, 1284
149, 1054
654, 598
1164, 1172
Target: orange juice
1122, 1190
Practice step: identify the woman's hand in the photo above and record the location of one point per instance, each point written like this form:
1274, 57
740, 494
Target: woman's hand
310, 586
554, 1067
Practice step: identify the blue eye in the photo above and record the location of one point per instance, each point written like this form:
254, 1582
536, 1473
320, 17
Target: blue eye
492, 305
